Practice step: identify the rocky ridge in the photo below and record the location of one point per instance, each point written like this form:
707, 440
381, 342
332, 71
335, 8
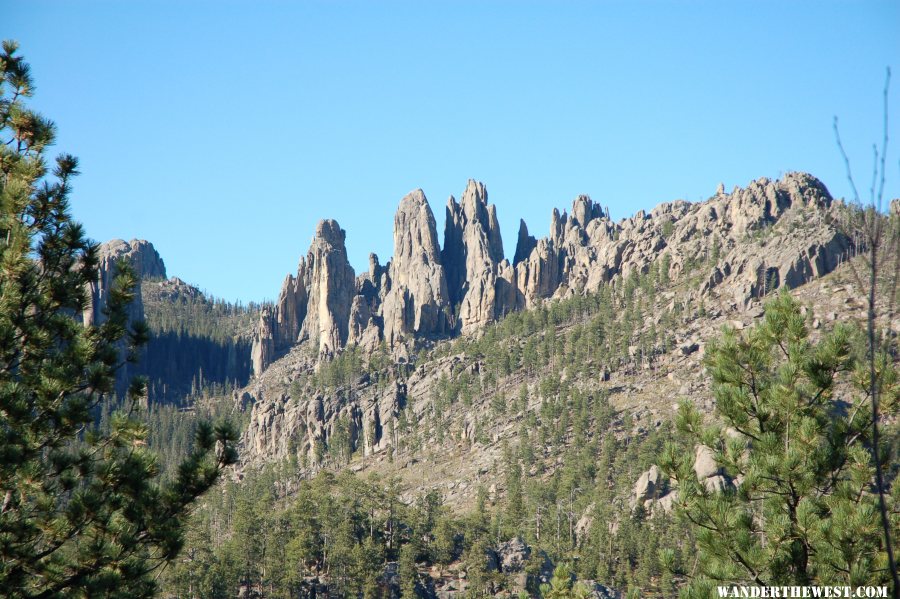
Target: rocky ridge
427, 292
725, 253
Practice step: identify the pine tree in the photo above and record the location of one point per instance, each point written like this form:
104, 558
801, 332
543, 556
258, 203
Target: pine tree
795, 437
515, 506
562, 586
408, 571
81, 511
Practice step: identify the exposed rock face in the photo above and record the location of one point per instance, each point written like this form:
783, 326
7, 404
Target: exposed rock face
331, 285
262, 352
652, 491
290, 311
584, 524
142, 257
742, 245
417, 300
365, 317
473, 255
282, 426
524, 244
586, 249
314, 305
513, 555
733, 248
141, 254
512, 558
705, 463
537, 276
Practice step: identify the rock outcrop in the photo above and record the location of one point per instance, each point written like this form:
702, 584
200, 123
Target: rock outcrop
330, 286
139, 253
524, 243
513, 557
141, 256
262, 352
416, 303
586, 249
652, 492
312, 306
290, 310
283, 426
366, 322
734, 247
479, 279
537, 276
146, 263
650, 485
727, 251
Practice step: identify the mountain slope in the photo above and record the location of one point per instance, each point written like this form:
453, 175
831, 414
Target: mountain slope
196, 342
635, 300
457, 458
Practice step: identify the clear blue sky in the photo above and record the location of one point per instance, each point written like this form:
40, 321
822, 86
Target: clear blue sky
223, 131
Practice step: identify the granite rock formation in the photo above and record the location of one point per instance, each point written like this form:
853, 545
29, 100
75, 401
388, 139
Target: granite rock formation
427, 292
141, 256
314, 305
416, 300
146, 263
478, 276
330, 285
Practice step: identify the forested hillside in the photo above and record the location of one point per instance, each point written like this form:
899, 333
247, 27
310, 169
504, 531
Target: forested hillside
632, 408
196, 343
524, 454
695, 400
517, 456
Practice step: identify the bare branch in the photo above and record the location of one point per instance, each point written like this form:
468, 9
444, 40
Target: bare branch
837, 136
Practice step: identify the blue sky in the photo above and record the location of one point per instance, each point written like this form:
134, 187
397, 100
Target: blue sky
222, 132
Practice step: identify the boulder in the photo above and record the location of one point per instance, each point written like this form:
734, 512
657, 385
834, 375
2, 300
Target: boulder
705, 465
600, 591
649, 486
513, 555
708, 471
584, 524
